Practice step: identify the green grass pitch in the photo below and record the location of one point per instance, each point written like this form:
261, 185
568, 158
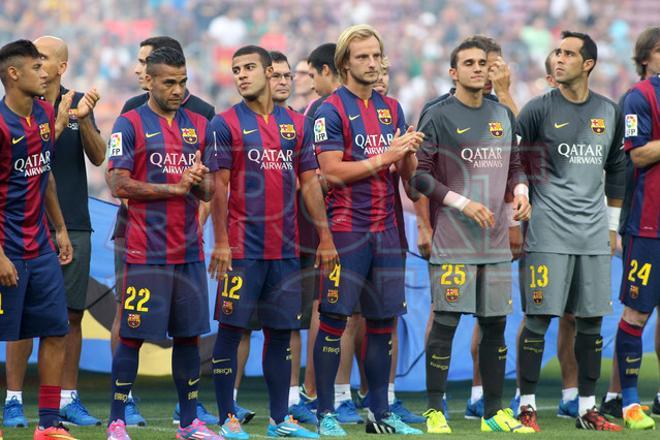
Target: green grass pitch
157, 399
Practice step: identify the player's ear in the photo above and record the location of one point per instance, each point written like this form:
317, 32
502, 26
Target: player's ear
62, 67
12, 72
588, 65
453, 74
148, 81
269, 71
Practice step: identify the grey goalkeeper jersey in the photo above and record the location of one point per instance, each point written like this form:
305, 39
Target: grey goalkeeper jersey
564, 148
469, 151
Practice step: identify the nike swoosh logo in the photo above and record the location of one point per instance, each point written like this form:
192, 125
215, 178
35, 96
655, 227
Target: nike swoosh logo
329, 339
14, 141
353, 117
459, 131
502, 349
630, 361
561, 125
192, 382
246, 132
122, 384
217, 361
150, 135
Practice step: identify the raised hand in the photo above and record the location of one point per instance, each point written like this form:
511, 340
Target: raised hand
87, 103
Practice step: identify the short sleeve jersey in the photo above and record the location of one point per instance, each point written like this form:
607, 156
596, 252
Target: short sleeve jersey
565, 147
157, 151
642, 125
470, 151
360, 129
27, 149
265, 154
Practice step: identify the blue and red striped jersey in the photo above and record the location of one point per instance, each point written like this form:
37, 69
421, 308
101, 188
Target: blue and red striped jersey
27, 148
360, 129
642, 125
265, 155
155, 151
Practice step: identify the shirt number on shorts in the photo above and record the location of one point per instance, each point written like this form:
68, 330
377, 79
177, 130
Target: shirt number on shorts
458, 272
133, 295
335, 275
643, 272
236, 284
539, 276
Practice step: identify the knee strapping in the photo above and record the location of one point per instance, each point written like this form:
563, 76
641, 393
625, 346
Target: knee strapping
589, 326
380, 325
492, 329
447, 319
332, 324
190, 341
537, 323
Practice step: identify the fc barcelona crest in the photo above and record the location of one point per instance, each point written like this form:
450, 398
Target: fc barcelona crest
496, 129
333, 296
44, 131
598, 125
134, 320
384, 116
288, 131
451, 294
189, 135
227, 307
634, 292
537, 296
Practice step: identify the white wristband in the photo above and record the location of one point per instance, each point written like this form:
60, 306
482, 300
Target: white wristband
521, 190
508, 208
455, 200
613, 215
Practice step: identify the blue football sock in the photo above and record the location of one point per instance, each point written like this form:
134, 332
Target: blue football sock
276, 364
225, 353
185, 372
124, 372
377, 357
326, 361
629, 355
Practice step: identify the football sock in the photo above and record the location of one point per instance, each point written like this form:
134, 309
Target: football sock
185, 372
124, 372
568, 394
66, 397
342, 392
294, 395
527, 400
585, 404
377, 358
629, 354
225, 353
492, 362
49, 405
17, 394
611, 396
326, 360
476, 393
276, 364
588, 352
438, 356
530, 355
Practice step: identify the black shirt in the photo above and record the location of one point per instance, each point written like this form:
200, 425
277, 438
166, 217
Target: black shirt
190, 102
70, 171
